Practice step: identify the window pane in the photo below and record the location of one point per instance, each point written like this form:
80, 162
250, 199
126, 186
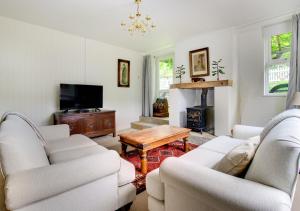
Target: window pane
281, 46
278, 78
165, 73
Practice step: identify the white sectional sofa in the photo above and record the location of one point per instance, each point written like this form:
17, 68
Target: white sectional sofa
190, 183
63, 173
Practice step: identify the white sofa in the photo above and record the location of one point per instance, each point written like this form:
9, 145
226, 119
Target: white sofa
190, 183
66, 173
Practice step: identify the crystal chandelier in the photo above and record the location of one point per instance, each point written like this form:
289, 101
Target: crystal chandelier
137, 23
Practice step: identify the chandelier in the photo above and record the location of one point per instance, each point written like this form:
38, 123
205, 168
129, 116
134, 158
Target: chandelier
137, 23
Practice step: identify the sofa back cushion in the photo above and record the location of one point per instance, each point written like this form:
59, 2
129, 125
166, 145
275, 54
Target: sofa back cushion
20, 148
276, 162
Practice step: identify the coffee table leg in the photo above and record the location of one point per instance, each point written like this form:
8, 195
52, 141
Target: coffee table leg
124, 148
144, 162
185, 145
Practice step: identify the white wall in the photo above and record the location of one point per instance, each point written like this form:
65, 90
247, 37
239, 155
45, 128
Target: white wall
34, 60
242, 51
256, 109
222, 45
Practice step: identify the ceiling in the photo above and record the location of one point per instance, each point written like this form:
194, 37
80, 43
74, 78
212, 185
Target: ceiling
175, 19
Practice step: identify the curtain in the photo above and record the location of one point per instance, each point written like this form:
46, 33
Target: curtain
294, 81
147, 109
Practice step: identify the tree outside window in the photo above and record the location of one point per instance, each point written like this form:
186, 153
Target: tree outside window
277, 67
165, 76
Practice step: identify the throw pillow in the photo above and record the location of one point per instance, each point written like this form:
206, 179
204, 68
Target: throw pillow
238, 159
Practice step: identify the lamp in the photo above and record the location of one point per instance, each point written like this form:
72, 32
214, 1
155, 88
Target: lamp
296, 100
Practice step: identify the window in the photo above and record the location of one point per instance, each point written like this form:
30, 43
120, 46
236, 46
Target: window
165, 76
277, 59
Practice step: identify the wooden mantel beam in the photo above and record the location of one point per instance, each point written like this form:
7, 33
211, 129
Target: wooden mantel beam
202, 84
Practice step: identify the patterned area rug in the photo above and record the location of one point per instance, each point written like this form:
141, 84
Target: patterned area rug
155, 158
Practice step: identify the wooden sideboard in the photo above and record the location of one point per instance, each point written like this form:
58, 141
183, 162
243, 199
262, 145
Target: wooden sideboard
91, 124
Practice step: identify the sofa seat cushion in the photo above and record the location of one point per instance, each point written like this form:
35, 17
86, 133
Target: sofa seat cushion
222, 144
204, 157
67, 155
155, 187
208, 154
126, 174
70, 143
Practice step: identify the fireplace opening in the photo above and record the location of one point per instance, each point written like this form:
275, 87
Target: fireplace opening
201, 118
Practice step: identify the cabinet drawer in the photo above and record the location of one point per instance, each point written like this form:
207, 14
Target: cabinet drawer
75, 125
90, 124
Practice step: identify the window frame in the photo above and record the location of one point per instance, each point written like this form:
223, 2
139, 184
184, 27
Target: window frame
268, 32
166, 56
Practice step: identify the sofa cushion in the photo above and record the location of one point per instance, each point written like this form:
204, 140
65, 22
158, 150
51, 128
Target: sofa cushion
276, 162
27, 129
67, 155
20, 147
155, 187
237, 160
126, 174
204, 157
222, 144
70, 143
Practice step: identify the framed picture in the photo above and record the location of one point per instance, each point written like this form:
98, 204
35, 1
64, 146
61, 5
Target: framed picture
199, 63
123, 73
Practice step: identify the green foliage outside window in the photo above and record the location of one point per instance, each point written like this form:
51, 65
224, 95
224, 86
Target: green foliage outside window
278, 72
281, 46
166, 68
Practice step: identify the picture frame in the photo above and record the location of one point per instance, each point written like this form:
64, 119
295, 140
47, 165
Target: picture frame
199, 63
123, 73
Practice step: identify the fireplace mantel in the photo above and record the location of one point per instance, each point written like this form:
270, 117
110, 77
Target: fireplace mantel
202, 84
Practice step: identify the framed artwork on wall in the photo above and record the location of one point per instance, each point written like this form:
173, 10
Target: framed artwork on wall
199, 62
123, 73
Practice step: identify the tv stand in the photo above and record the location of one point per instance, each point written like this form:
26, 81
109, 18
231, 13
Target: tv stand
91, 124
83, 111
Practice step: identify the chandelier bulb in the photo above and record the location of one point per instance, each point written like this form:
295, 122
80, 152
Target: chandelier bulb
148, 18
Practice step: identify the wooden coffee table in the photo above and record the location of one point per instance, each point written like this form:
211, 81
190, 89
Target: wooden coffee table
147, 139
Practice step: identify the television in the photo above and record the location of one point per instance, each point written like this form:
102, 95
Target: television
76, 96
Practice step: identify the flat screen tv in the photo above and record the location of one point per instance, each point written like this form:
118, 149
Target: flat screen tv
75, 96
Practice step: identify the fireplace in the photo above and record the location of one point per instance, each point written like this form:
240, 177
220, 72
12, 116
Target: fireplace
221, 95
201, 118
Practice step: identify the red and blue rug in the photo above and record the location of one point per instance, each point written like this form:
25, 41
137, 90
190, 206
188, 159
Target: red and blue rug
155, 157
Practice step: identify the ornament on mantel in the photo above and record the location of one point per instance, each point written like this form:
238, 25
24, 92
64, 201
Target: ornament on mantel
180, 72
218, 69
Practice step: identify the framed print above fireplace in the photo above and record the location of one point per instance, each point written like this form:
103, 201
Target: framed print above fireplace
199, 62
123, 73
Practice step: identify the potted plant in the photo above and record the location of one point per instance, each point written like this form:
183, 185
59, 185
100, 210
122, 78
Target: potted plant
217, 69
180, 72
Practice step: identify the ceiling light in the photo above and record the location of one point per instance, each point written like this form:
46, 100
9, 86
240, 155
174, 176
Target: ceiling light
137, 23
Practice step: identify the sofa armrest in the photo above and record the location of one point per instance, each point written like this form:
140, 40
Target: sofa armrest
221, 191
245, 132
54, 132
33, 185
